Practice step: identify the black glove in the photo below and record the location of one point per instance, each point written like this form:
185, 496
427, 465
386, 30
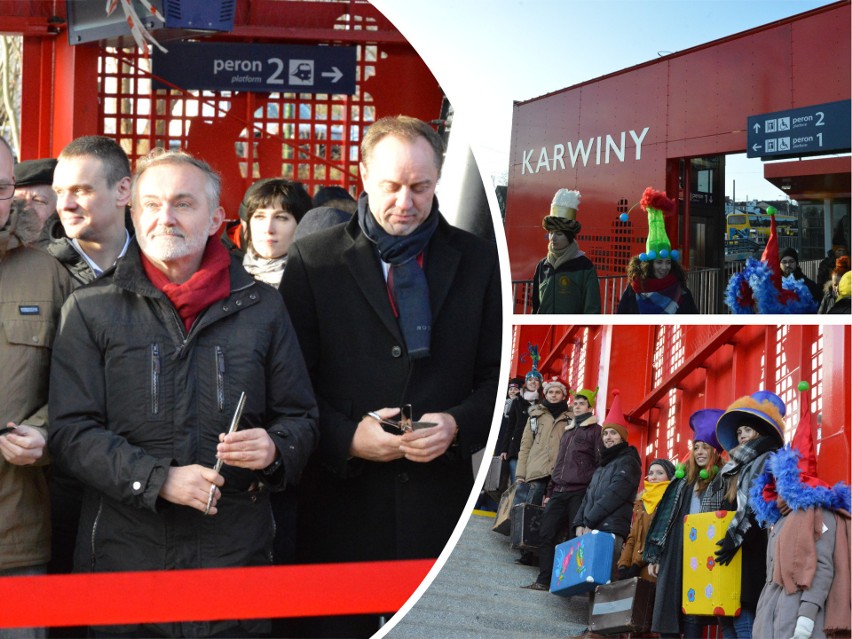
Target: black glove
727, 549
628, 572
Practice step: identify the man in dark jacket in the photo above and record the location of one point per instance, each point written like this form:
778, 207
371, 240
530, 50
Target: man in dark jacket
579, 456
148, 366
790, 266
395, 307
92, 185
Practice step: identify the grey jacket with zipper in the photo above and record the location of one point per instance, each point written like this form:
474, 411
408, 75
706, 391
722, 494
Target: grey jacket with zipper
133, 394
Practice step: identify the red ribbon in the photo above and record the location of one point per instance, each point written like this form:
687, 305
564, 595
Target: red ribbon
216, 593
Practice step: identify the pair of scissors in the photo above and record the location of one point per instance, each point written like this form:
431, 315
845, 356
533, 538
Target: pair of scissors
235, 421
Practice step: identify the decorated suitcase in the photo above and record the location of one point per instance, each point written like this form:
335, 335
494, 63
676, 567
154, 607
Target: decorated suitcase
709, 588
582, 563
623, 606
526, 520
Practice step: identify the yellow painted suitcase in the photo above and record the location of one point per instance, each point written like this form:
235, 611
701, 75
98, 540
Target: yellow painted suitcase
709, 588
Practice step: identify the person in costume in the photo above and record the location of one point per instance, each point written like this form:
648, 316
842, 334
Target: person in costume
664, 541
631, 564
830, 294
509, 442
788, 259
579, 455
657, 282
844, 296
761, 286
807, 590
750, 429
566, 280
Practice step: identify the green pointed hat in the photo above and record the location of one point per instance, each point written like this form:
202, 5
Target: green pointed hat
657, 205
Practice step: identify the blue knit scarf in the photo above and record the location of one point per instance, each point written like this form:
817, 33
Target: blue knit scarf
410, 289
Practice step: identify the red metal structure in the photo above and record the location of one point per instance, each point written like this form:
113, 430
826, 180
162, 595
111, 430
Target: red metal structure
662, 124
665, 373
94, 88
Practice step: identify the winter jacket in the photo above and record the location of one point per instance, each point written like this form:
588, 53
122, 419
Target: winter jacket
33, 287
78, 268
631, 553
843, 306
608, 503
539, 449
778, 611
571, 288
132, 394
627, 305
510, 443
578, 456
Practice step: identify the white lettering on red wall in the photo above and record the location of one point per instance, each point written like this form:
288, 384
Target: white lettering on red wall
598, 149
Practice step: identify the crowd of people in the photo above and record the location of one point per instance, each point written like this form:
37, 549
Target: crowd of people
566, 280
588, 478
177, 398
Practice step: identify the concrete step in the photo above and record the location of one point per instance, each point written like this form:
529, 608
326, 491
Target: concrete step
478, 594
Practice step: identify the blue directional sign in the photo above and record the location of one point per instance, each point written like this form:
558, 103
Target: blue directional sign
822, 128
255, 67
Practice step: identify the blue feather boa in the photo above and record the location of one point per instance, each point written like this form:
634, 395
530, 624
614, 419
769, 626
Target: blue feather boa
757, 276
783, 466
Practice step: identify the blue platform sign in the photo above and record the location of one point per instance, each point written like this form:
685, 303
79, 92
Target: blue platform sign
269, 68
813, 130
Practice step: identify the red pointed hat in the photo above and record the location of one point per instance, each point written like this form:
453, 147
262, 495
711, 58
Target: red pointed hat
803, 441
773, 259
615, 418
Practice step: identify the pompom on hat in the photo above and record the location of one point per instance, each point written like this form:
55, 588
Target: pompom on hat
615, 417
791, 473
563, 212
703, 424
764, 411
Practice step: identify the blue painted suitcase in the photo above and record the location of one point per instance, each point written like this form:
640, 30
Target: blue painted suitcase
582, 563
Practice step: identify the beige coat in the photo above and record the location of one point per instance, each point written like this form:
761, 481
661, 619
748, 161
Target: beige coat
538, 452
33, 287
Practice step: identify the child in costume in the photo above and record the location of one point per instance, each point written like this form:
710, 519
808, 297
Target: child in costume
566, 280
664, 542
657, 283
751, 428
631, 564
807, 590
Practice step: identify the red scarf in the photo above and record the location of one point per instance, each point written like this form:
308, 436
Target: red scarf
209, 284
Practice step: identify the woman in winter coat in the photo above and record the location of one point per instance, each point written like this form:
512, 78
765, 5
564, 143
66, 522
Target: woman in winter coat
806, 594
750, 429
830, 292
656, 286
631, 564
608, 503
510, 444
664, 541
270, 211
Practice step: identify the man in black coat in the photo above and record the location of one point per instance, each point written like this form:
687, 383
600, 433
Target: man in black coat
395, 307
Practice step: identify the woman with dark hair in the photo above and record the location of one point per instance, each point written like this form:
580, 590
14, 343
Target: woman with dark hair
657, 283
270, 211
664, 540
656, 286
829, 298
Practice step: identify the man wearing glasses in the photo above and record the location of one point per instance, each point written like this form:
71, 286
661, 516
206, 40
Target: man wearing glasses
32, 288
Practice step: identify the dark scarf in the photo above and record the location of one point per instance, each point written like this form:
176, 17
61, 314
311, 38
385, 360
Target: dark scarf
654, 296
555, 409
747, 461
410, 291
664, 518
608, 454
209, 284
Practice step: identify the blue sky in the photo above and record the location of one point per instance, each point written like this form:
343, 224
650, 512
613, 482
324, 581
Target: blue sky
487, 53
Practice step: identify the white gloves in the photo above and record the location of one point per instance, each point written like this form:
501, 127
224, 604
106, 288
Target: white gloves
804, 628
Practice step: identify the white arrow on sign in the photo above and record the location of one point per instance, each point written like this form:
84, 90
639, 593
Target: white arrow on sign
335, 73
757, 127
756, 147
